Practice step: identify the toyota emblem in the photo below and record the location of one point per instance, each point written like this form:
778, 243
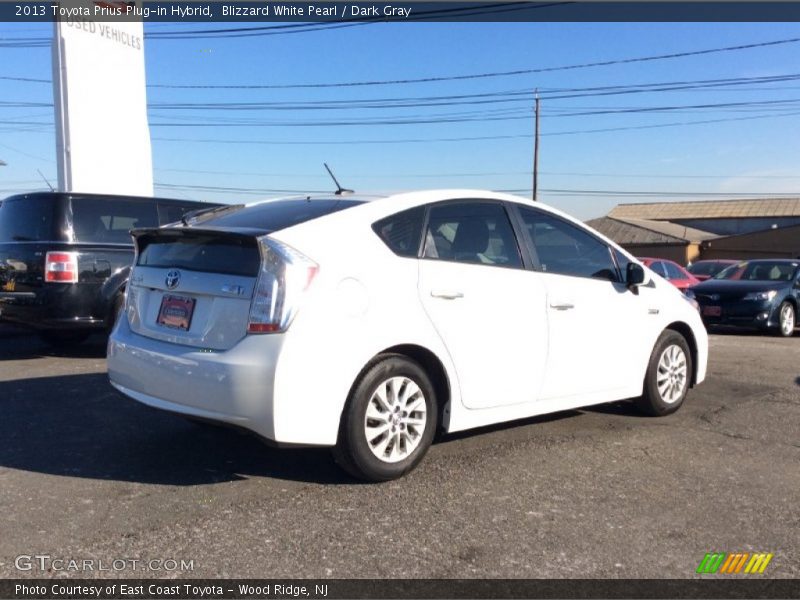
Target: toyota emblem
173, 279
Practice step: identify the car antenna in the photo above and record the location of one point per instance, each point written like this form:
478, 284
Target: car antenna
45, 180
340, 191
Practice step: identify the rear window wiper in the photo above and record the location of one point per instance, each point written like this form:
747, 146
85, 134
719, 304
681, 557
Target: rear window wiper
208, 212
23, 238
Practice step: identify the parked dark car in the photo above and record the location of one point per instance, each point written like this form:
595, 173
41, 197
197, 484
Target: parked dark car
706, 269
762, 294
65, 258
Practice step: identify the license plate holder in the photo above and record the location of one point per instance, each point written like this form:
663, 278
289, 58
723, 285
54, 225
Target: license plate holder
176, 312
712, 311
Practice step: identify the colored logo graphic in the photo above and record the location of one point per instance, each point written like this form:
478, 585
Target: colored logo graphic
735, 562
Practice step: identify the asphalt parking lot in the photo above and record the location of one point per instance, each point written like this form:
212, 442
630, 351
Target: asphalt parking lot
89, 475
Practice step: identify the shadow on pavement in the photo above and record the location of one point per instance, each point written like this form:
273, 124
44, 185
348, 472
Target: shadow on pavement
24, 344
508, 426
622, 409
79, 426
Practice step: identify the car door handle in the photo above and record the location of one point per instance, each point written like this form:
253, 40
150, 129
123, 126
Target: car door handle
562, 306
446, 295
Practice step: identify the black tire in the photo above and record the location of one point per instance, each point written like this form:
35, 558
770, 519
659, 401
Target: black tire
786, 311
64, 339
652, 402
354, 453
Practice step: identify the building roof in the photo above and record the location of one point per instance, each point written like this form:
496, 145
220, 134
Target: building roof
709, 209
690, 234
641, 231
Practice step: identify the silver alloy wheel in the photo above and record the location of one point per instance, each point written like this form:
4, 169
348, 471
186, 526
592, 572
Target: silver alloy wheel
395, 419
787, 319
672, 374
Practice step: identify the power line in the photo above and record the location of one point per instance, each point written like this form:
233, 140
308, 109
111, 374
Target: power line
478, 174
470, 99
258, 31
488, 75
239, 190
553, 191
650, 193
479, 138
450, 118
658, 195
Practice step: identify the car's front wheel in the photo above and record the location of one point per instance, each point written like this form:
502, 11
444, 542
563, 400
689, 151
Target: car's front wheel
786, 319
668, 377
389, 420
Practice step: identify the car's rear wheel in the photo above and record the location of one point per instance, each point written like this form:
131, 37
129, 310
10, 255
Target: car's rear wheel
389, 420
668, 377
786, 319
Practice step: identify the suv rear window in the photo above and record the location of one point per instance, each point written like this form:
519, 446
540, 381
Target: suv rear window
109, 220
28, 219
278, 214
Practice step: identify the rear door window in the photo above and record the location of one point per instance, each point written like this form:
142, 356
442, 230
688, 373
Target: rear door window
109, 221
29, 219
472, 232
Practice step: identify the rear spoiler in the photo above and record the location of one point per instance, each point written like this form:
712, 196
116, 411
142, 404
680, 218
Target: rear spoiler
149, 234
176, 232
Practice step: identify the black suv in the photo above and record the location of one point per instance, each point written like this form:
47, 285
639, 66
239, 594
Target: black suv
65, 258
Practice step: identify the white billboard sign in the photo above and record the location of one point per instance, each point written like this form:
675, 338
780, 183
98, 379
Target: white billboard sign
102, 133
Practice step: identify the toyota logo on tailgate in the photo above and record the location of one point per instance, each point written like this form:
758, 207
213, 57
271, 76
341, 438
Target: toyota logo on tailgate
173, 279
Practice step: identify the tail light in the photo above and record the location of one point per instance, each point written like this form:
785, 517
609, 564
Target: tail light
61, 267
284, 277
130, 303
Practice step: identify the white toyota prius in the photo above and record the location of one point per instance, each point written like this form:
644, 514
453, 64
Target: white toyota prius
369, 325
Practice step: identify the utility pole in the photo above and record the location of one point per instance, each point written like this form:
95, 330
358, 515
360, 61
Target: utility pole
535, 194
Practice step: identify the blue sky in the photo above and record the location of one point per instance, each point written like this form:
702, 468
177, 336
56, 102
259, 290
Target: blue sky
755, 148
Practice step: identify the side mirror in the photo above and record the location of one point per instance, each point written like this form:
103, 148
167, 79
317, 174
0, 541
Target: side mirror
634, 275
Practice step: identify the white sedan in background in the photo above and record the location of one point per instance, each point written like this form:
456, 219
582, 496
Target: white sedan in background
368, 325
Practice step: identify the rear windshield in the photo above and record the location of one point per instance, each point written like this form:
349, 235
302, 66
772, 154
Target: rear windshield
109, 221
278, 214
28, 219
209, 253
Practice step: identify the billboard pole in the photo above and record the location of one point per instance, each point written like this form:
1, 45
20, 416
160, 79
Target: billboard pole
59, 101
535, 194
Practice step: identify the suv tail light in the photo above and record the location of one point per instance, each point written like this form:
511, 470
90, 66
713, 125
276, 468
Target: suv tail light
284, 276
61, 267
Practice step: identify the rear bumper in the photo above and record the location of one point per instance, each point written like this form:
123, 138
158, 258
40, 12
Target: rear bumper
235, 386
54, 306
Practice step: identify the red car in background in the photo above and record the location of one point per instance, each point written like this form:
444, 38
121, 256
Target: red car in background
706, 269
671, 271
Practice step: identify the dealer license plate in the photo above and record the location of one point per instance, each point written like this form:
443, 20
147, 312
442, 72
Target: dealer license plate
176, 312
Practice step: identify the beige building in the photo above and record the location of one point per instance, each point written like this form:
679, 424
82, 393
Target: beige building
689, 231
